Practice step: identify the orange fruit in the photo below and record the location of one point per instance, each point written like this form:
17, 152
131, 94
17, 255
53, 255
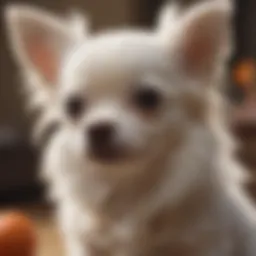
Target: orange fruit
17, 235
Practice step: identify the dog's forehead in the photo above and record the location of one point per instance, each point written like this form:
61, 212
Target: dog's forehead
113, 58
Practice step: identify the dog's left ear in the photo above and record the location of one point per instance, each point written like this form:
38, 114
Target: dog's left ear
41, 40
201, 36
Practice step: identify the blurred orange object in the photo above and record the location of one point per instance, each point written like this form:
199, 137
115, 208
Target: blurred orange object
244, 73
17, 235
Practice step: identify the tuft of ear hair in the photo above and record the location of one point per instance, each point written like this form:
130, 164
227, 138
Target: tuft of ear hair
171, 12
168, 15
78, 24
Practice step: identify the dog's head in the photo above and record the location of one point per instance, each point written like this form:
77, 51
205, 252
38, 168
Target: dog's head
120, 96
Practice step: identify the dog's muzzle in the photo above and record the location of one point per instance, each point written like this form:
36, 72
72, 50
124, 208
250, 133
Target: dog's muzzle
102, 142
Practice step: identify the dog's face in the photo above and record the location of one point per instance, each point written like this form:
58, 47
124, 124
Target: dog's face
114, 97
119, 96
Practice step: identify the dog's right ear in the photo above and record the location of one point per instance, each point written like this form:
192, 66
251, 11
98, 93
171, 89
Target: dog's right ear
40, 41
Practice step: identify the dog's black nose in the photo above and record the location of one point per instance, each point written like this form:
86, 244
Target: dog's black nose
101, 134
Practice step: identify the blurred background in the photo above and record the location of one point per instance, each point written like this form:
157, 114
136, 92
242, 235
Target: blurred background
18, 157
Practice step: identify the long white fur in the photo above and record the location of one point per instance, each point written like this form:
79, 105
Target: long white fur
83, 189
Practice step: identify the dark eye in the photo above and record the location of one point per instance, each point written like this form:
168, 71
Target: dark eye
75, 106
147, 98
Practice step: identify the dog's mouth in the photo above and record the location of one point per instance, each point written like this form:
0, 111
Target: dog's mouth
108, 154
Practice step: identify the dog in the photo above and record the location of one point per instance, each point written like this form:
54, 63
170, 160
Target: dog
141, 161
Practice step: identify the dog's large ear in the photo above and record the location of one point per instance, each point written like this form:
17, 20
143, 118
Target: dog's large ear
201, 36
40, 41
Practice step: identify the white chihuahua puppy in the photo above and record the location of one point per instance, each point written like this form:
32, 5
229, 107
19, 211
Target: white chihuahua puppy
141, 163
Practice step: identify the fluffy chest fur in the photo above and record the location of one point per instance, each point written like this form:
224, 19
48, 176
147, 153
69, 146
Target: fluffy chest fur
175, 206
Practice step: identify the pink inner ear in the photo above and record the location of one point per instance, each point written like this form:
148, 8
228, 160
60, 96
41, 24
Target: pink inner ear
200, 43
198, 51
43, 57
